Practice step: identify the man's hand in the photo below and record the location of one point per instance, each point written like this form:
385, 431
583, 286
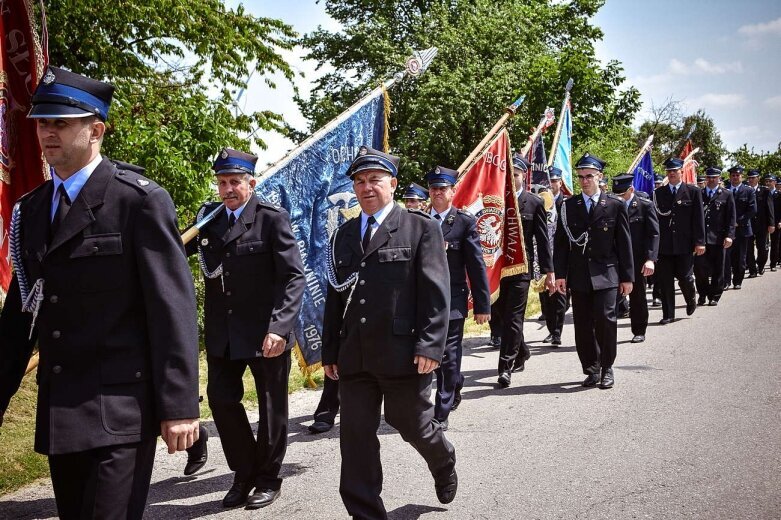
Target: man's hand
273, 345
560, 285
770, 229
648, 268
179, 434
425, 365
625, 288
727, 242
699, 250
332, 371
482, 318
550, 283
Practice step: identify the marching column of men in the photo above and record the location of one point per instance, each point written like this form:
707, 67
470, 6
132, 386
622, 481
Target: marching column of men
554, 305
745, 209
775, 196
763, 225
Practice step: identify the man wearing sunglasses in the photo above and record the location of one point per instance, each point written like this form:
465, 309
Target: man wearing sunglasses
593, 258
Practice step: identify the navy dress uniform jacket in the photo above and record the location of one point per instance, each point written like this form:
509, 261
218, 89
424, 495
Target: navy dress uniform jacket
644, 228
400, 305
116, 330
684, 227
765, 215
465, 257
262, 280
719, 216
607, 258
534, 221
745, 209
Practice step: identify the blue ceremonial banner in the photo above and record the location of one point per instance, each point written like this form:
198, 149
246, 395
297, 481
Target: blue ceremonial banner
539, 162
644, 174
313, 188
563, 158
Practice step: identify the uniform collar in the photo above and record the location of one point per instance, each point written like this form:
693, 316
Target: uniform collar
442, 215
237, 211
74, 183
676, 186
378, 217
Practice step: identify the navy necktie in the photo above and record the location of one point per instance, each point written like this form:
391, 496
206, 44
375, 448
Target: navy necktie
63, 206
231, 220
367, 235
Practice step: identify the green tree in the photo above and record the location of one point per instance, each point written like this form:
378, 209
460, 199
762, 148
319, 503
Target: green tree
765, 162
489, 53
177, 66
617, 146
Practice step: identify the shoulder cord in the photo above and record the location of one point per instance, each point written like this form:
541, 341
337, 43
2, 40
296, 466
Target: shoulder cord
32, 299
660, 212
201, 260
582, 240
333, 280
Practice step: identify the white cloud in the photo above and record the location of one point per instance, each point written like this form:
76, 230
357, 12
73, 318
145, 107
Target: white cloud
678, 67
718, 100
774, 102
773, 28
717, 68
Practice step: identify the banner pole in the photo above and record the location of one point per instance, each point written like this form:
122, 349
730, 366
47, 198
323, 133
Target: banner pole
645, 147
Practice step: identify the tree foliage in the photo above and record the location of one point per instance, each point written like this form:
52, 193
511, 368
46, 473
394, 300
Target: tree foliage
765, 162
177, 66
489, 53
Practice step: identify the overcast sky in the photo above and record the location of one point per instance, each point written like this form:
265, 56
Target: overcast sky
723, 56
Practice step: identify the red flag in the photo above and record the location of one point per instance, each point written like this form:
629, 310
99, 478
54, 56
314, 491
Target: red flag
689, 170
487, 191
22, 61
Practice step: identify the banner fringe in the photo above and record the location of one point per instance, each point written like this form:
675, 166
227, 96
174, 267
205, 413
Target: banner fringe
386, 115
306, 370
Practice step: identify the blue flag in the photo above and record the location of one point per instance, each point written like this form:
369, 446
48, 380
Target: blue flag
563, 158
644, 174
539, 162
313, 188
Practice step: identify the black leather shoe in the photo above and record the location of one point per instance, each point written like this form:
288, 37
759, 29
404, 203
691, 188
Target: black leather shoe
713, 303
262, 497
446, 488
665, 321
752, 275
701, 301
444, 424
198, 453
504, 379
320, 427
496, 342
656, 302
691, 306
638, 338
761, 273
607, 378
519, 365
456, 400
772, 269
238, 493
591, 380
541, 317
548, 338
556, 341
737, 287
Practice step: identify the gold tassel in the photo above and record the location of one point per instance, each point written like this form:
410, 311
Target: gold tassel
386, 115
307, 370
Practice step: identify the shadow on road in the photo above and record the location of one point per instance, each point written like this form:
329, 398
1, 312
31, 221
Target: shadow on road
412, 512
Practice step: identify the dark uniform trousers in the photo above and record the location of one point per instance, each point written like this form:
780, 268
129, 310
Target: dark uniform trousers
593, 274
764, 218
644, 228
735, 260
399, 308
775, 237
719, 225
680, 231
116, 332
258, 293
328, 406
465, 261
554, 307
514, 290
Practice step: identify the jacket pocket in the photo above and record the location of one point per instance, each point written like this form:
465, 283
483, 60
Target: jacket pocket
251, 247
99, 245
124, 396
394, 254
403, 327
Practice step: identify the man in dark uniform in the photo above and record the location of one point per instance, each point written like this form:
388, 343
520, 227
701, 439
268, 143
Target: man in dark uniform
384, 333
593, 257
763, 223
514, 290
681, 233
554, 305
102, 284
656, 293
644, 228
701, 181
465, 261
415, 197
719, 234
745, 209
254, 282
775, 196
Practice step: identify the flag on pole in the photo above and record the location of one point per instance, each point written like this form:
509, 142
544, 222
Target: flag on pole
487, 191
689, 170
644, 174
537, 157
563, 158
22, 61
313, 188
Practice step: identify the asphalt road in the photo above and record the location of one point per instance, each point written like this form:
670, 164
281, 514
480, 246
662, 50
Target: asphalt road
692, 429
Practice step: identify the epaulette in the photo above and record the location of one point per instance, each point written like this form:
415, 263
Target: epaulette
132, 177
418, 212
269, 205
614, 196
31, 192
121, 165
465, 213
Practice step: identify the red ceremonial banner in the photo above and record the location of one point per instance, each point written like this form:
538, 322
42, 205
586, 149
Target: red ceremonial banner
689, 171
22, 167
487, 191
